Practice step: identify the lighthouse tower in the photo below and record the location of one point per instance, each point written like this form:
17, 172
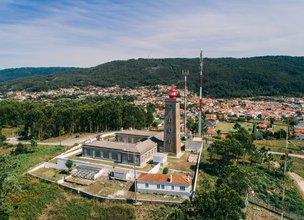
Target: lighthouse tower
172, 144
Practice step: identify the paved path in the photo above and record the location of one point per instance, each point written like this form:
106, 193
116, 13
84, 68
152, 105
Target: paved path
66, 142
291, 155
299, 181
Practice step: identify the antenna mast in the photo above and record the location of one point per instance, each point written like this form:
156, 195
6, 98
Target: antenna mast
284, 174
200, 98
185, 74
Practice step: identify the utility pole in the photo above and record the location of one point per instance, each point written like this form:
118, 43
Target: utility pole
200, 98
284, 174
135, 181
185, 74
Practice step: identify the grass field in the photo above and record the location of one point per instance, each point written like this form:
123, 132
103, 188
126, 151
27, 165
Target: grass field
226, 127
294, 146
41, 200
298, 166
10, 132
49, 173
181, 163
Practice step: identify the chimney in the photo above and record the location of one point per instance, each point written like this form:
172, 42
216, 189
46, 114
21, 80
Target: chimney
170, 178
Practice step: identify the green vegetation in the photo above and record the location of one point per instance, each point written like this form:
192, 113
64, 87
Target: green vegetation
49, 173
95, 114
223, 77
24, 197
267, 185
165, 170
294, 146
10, 74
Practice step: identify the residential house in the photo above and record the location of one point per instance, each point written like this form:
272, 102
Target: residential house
164, 184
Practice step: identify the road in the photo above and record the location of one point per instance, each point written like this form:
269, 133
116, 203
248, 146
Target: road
291, 155
66, 142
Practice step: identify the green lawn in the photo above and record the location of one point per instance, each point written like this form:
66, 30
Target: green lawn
49, 173
295, 146
10, 132
181, 163
225, 127
298, 166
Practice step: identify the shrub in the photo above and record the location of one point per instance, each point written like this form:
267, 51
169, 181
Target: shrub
165, 170
21, 149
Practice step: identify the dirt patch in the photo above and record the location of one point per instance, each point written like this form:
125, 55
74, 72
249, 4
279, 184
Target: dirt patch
257, 213
299, 182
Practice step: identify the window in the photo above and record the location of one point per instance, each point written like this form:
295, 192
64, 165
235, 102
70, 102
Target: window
182, 188
97, 153
147, 185
158, 186
172, 187
163, 186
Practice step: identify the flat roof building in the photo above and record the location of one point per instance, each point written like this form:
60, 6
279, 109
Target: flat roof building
130, 147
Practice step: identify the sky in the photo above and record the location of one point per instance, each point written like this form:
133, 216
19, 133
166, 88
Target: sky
85, 33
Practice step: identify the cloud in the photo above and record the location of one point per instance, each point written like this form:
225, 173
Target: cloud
87, 33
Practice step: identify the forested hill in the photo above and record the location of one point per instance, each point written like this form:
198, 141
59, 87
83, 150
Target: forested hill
9, 74
223, 77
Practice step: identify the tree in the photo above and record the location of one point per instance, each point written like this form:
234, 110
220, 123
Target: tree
8, 182
220, 203
33, 143
21, 149
228, 149
245, 139
257, 136
154, 124
69, 164
236, 126
272, 120
235, 178
293, 121
150, 117
2, 138
165, 170
254, 128
280, 134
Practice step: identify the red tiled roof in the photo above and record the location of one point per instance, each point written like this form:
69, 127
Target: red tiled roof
164, 178
261, 125
211, 132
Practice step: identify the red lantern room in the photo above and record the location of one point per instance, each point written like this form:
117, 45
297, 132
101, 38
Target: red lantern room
172, 93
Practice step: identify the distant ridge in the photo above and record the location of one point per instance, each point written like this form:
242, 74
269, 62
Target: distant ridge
223, 77
15, 73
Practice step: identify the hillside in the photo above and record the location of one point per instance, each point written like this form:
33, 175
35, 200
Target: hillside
223, 77
15, 73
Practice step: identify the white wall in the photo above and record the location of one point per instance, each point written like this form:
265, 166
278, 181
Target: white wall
155, 169
141, 186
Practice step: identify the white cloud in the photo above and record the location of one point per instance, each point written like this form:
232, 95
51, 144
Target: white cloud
90, 34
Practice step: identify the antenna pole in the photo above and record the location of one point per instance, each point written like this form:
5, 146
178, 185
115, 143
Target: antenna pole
284, 174
200, 98
185, 74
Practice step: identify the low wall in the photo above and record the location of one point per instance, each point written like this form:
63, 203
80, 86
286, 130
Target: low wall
155, 169
196, 173
55, 165
107, 168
